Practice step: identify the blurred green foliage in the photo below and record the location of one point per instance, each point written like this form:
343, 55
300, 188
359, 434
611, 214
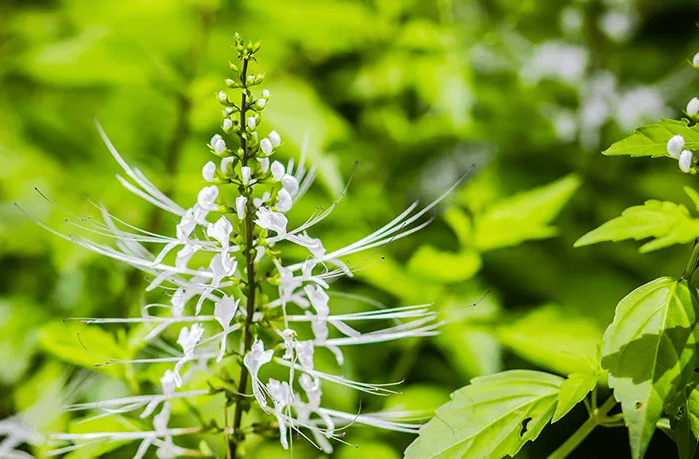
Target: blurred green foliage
416, 92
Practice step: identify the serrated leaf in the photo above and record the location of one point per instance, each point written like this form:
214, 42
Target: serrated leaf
651, 140
524, 216
573, 390
649, 351
444, 267
562, 343
667, 222
490, 418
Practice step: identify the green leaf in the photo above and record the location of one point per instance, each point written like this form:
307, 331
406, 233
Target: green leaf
682, 432
693, 195
651, 140
444, 267
649, 351
552, 338
490, 418
524, 216
693, 404
667, 222
573, 390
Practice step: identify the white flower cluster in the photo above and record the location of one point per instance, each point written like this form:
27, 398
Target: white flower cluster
212, 267
676, 144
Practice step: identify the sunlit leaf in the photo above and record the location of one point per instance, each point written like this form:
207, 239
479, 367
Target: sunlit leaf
649, 352
667, 222
490, 418
444, 267
552, 338
573, 390
651, 140
524, 216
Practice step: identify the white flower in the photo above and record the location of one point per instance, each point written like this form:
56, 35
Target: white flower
277, 171
227, 124
225, 162
206, 199
675, 146
261, 103
266, 146
291, 184
281, 395
284, 200
275, 139
695, 60
218, 144
252, 122
208, 171
265, 92
240, 203
224, 312
221, 231
187, 340
693, 107
270, 220
222, 97
264, 164
253, 360
686, 158
245, 172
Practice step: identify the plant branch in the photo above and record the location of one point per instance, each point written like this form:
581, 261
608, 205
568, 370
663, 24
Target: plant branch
597, 417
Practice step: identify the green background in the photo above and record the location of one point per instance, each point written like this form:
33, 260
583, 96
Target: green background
415, 92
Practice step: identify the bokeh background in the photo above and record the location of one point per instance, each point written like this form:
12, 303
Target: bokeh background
416, 92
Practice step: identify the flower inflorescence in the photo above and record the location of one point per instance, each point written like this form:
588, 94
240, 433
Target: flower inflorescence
237, 304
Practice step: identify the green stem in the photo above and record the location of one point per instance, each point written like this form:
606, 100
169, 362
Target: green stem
692, 263
250, 267
584, 430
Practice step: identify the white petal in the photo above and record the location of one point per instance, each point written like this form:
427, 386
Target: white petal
275, 139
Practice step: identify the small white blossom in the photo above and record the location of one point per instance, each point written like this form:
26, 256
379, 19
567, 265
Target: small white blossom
686, 159
270, 220
227, 124
240, 203
265, 92
266, 146
275, 139
693, 107
208, 171
252, 122
221, 231
207, 197
290, 184
218, 144
225, 163
222, 97
253, 360
264, 164
695, 60
245, 172
261, 103
675, 146
188, 340
277, 171
284, 201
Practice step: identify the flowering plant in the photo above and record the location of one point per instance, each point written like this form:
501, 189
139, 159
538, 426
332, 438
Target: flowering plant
235, 303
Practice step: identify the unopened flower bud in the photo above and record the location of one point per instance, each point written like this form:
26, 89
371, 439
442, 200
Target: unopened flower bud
245, 172
265, 92
222, 97
675, 146
695, 60
225, 162
291, 184
252, 122
208, 171
250, 79
227, 124
261, 103
277, 170
264, 164
284, 200
240, 202
686, 158
693, 107
266, 146
275, 139
220, 146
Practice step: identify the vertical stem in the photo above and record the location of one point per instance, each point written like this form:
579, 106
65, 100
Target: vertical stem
692, 263
249, 259
583, 431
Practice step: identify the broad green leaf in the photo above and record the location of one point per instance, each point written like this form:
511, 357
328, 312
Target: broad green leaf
573, 390
444, 267
651, 140
83, 345
649, 351
490, 418
682, 431
372, 449
552, 338
524, 216
693, 195
693, 404
667, 222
